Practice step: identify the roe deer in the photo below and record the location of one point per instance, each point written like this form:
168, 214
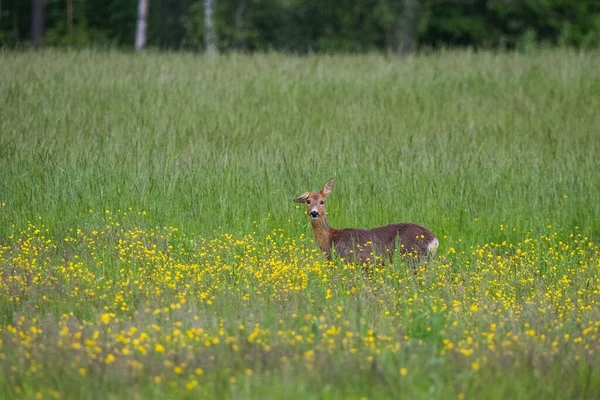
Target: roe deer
362, 244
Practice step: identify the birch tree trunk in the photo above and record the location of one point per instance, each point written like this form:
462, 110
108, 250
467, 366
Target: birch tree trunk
37, 22
140, 31
410, 18
210, 36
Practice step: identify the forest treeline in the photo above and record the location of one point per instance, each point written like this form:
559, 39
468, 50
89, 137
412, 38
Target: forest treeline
302, 25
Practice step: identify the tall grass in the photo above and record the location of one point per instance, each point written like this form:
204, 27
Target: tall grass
459, 141
150, 247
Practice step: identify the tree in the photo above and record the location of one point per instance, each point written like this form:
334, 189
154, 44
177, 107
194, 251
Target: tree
210, 36
70, 21
410, 18
37, 21
140, 31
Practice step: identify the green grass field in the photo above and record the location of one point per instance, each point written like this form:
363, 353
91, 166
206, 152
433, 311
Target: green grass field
150, 247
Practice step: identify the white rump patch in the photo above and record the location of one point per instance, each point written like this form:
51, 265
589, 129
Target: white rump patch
432, 246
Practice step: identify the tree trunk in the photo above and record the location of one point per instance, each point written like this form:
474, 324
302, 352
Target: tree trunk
140, 31
240, 28
210, 36
70, 21
15, 26
37, 22
410, 18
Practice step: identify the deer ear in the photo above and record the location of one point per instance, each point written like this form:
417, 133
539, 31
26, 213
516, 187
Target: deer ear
328, 187
302, 198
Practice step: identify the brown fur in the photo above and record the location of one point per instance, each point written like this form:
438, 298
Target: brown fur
363, 244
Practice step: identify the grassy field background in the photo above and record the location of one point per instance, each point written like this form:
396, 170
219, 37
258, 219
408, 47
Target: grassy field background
208, 144
496, 153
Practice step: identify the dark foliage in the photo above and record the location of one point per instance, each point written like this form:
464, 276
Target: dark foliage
307, 25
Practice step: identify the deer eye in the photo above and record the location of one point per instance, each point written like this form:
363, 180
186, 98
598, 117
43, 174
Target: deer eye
322, 202
307, 201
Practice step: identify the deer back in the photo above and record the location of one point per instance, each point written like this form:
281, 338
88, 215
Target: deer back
364, 243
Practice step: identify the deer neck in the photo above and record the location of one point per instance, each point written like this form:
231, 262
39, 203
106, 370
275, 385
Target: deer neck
323, 233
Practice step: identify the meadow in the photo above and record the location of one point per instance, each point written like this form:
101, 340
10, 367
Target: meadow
150, 246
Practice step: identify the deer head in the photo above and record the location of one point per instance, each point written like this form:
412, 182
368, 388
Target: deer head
315, 201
